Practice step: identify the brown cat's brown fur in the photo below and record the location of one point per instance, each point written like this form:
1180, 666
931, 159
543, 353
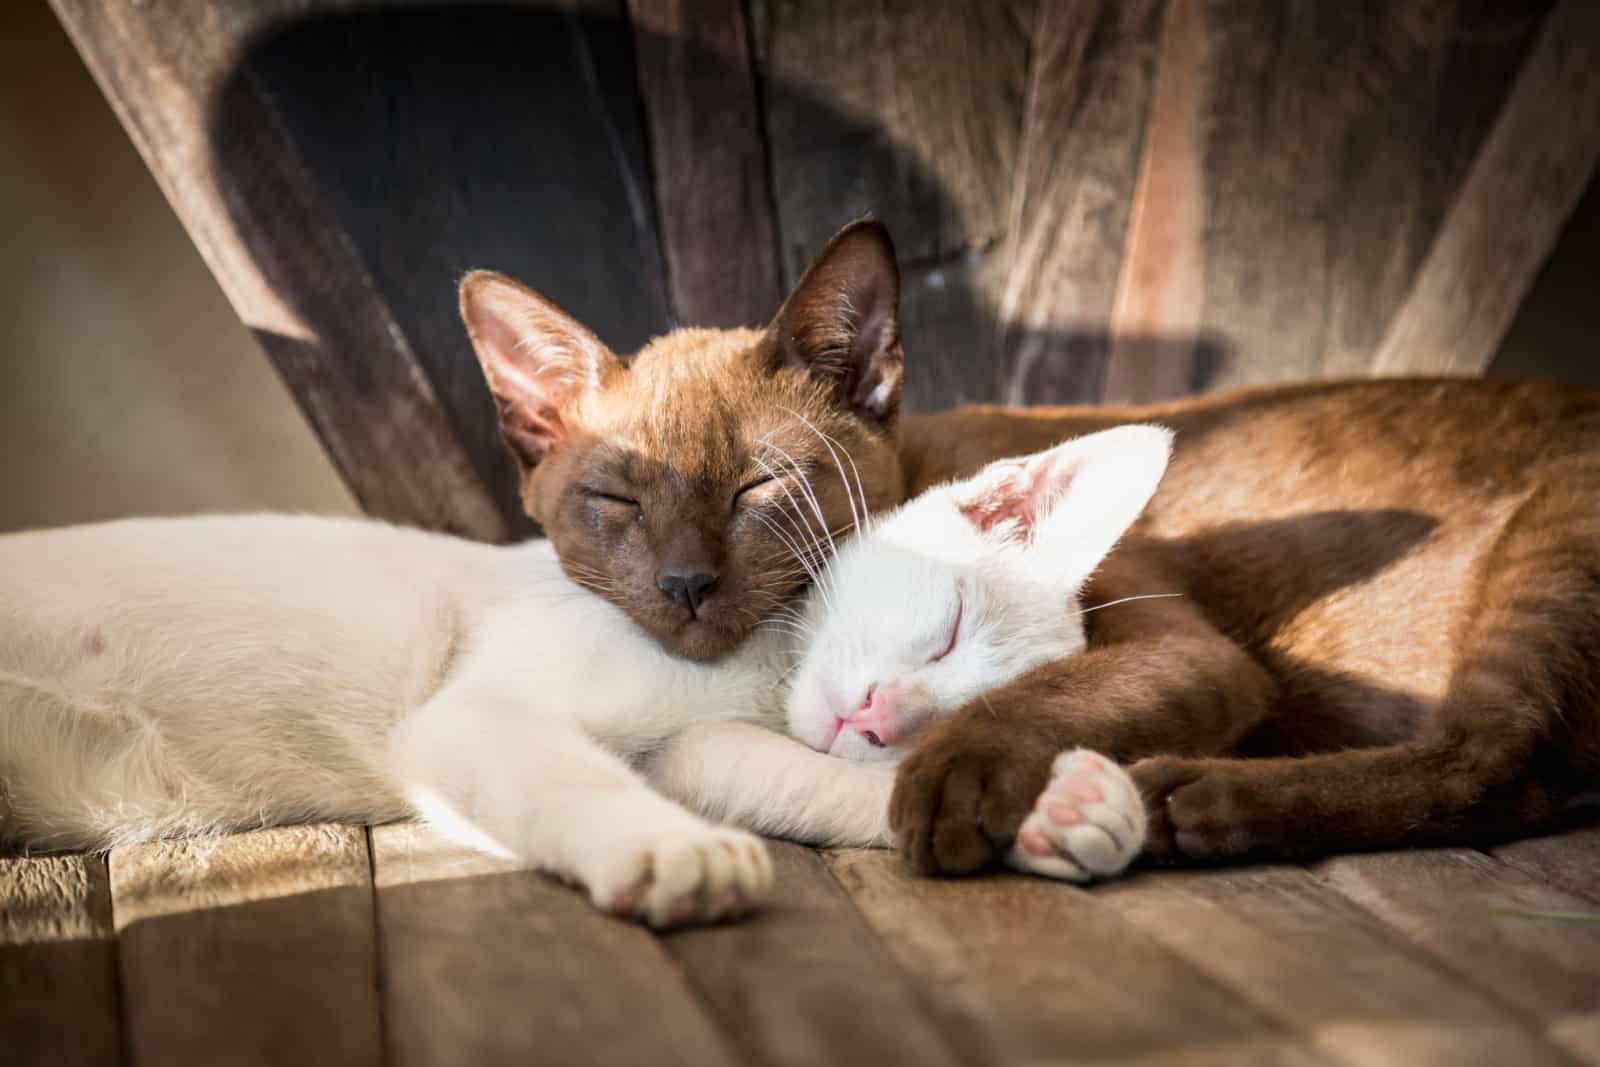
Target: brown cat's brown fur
1389, 596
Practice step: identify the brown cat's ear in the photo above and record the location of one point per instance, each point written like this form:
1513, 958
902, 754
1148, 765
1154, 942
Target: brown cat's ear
537, 359
841, 322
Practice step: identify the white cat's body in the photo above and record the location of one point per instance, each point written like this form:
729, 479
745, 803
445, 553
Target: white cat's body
176, 676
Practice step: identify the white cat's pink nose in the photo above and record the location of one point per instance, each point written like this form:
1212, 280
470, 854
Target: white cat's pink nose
874, 720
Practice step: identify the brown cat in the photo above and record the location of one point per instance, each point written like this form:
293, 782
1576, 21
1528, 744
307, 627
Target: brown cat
1388, 594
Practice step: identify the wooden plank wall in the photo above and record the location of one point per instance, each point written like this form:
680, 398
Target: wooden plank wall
1133, 201
1095, 200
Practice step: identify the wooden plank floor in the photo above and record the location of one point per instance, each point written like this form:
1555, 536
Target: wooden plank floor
330, 944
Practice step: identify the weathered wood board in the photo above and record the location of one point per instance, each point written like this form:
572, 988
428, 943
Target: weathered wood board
1024, 970
250, 948
58, 962
483, 963
1456, 905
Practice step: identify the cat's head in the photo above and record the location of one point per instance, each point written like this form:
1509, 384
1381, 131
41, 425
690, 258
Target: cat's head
963, 589
671, 483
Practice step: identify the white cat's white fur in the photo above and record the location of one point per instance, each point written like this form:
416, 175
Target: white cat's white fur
177, 676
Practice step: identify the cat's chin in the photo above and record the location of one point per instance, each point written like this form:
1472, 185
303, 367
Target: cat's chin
698, 640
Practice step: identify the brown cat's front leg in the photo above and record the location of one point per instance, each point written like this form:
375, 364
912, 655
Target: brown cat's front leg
961, 796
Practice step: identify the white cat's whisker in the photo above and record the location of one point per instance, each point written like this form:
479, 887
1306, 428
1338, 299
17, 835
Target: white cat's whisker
1126, 599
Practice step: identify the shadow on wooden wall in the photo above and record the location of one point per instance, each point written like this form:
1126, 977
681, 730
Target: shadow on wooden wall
1093, 200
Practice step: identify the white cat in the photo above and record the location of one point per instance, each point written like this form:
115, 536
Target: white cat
175, 676
955, 593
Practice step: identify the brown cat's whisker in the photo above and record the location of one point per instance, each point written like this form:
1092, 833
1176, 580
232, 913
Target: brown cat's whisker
806, 487
863, 521
799, 518
799, 555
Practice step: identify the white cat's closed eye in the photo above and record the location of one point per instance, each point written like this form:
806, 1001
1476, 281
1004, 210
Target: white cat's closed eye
955, 631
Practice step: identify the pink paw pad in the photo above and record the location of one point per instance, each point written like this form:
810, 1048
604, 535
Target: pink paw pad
625, 902
1086, 791
683, 909
1064, 814
1035, 843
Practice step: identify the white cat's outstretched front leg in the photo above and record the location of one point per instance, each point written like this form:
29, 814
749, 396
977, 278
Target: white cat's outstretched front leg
1088, 823
750, 776
546, 795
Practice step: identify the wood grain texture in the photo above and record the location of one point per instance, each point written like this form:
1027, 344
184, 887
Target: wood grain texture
911, 112
712, 191
807, 981
58, 962
1569, 861
266, 231
1028, 971
1334, 138
251, 948
947, 313
1089, 92
1451, 903
1155, 323
445, 138
1523, 186
907, 110
486, 964
1450, 69
1313, 960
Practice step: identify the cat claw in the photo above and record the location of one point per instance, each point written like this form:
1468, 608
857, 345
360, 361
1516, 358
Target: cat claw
705, 874
1089, 822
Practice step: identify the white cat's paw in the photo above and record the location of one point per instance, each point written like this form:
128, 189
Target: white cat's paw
1088, 823
692, 874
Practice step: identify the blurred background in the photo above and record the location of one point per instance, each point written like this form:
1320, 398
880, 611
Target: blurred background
127, 384
232, 261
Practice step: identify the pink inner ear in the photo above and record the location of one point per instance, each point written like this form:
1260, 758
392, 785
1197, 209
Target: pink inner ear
1019, 495
996, 504
532, 429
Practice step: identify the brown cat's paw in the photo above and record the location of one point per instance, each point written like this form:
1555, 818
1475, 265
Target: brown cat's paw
1199, 810
957, 807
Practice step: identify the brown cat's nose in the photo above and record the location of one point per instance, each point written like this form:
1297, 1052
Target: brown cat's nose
685, 588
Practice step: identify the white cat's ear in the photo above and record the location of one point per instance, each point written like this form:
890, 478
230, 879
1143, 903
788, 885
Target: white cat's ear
841, 322
537, 359
1072, 502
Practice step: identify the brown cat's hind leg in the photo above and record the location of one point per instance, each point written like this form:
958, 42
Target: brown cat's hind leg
1517, 733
